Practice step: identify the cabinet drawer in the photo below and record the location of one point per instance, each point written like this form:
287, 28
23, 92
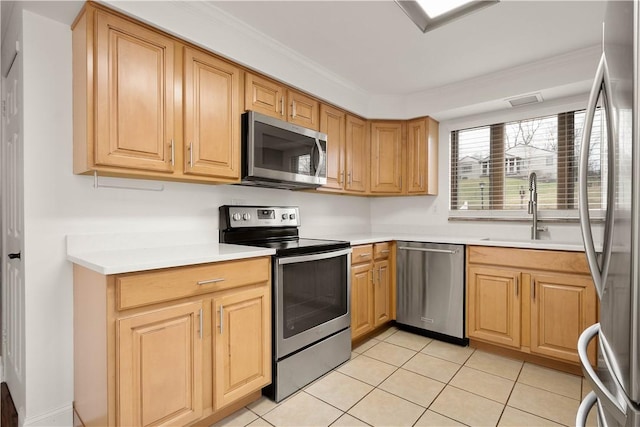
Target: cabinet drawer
361, 254
139, 289
382, 250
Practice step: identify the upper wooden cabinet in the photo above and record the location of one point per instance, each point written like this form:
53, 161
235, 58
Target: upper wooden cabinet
333, 123
356, 155
387, 156
147, 105
269, 97
123, 95
264, 96
422, 157
212, 109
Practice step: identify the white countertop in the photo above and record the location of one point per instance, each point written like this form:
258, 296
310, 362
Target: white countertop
115, 253
112, 261
367, 238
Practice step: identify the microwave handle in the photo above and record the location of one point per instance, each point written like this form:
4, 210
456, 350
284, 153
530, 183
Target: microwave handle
321, 155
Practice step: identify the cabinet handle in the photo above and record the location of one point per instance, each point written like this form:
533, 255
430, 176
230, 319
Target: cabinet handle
533, 290
191, 154
341, 177
282, 105
221, 320
293, 109
349, 177
173, 153
206, 282
384, 251
517, 278
365, 255
200, 330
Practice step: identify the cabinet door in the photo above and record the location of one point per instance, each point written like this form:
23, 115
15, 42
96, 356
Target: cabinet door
386, 157
264, 96
332, 122
422, 156
356, 155
159, 373
493, 298
211, 116
303, 110
381, 292
361, 300
562, 306
134, 89
242, 344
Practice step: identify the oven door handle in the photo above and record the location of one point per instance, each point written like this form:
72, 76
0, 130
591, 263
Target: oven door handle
313, 257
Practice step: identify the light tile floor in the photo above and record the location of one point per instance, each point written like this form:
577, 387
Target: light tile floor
402, 379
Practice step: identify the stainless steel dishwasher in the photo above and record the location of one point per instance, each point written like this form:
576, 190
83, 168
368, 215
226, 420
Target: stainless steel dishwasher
430, 296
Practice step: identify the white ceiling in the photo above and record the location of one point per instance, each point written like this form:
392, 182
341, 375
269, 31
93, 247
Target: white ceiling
369, 57
376, 47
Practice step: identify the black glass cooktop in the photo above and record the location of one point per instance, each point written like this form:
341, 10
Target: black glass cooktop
300, 246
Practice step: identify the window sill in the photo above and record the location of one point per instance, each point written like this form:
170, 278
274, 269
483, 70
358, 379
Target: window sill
517, 216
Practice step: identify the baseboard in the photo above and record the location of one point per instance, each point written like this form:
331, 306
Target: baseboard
60, 417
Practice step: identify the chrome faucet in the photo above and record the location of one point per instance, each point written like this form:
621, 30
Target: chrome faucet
533, 206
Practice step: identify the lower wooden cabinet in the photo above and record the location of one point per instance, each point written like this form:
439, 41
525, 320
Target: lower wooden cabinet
535, 301
159, 373
381, 292
242, 343
494, 305
562, 306
182, 354
361, 300
372, 288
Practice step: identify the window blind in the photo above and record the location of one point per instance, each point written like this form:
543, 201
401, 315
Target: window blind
491, 164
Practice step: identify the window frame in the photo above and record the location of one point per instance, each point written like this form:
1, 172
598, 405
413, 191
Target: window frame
558, 107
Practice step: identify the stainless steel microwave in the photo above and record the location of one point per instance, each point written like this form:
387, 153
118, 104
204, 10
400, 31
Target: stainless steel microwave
280, 154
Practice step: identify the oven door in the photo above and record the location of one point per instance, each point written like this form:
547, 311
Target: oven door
312, 298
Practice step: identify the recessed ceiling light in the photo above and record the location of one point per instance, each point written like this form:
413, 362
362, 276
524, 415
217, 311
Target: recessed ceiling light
430, 14
435, 8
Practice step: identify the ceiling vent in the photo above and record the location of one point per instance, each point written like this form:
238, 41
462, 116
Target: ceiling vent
519, 101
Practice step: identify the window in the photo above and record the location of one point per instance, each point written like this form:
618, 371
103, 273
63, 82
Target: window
491, 165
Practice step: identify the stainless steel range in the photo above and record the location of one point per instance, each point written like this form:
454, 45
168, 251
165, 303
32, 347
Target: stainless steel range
311, 293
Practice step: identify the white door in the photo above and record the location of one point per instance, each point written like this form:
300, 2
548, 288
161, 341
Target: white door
13, 323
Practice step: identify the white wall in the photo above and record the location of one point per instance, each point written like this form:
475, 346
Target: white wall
58, 203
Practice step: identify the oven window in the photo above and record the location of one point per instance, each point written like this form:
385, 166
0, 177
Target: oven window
314, 292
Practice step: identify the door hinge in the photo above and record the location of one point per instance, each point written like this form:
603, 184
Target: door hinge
4, 108
4, 338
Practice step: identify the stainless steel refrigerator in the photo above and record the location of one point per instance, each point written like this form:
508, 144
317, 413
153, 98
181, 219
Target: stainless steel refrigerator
616, 268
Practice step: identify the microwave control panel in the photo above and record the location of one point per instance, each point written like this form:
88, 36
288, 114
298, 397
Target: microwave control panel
260, 216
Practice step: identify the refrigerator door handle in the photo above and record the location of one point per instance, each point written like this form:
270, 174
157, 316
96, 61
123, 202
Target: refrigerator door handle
602, 84
585, 407
605, 398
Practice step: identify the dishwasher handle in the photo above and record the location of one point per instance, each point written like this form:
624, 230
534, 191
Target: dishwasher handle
440, 251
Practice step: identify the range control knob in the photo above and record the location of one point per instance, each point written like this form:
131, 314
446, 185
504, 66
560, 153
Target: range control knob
236, 217
246, 216
292, 216
285, 216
